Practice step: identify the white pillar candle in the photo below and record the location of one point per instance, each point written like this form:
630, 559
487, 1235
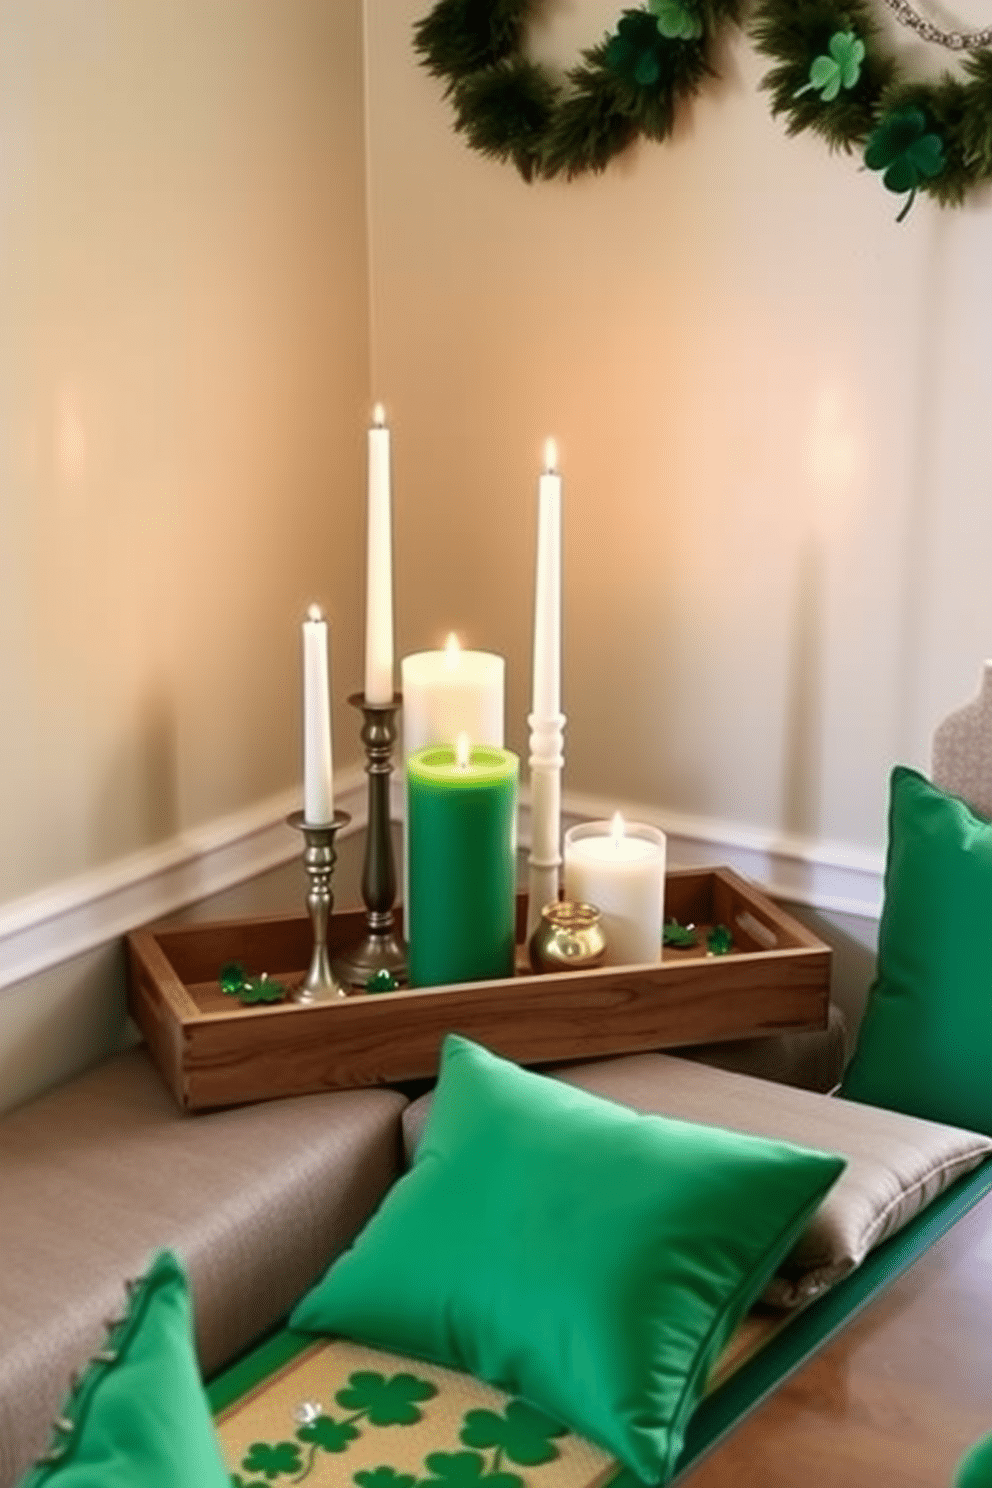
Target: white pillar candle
546, 720
447, 693
318, 766
450, 692
620, 868
379, 568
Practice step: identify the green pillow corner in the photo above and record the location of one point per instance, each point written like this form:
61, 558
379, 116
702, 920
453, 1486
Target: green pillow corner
586, 1257
975, 1468
925, 1042
139, 1415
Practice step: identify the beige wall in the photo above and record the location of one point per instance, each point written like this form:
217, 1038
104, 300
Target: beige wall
183, 392
770, 402
183, 386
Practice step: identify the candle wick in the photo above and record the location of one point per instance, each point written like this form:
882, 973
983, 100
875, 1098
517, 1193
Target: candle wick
315, 613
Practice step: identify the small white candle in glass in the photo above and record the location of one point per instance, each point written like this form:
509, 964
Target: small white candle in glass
620, 868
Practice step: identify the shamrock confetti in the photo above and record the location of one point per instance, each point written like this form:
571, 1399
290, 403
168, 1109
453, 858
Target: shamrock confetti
719, 941
381, 981
234, 981
907, 151
840, 69
682, 937
678, 20
232, 977
328, 1434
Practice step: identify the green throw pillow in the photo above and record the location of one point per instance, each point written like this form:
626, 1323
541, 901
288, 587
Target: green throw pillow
141, 1418
567, 1249
975, 1468
925, 1043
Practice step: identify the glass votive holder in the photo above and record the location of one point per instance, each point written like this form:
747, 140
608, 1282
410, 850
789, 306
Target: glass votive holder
620, 867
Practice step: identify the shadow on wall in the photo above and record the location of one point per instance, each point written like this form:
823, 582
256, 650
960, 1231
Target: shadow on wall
72, 1016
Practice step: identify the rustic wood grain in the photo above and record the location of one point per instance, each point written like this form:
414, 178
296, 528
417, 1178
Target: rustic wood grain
218, 1053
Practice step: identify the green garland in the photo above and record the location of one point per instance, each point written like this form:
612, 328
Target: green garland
627, 86
834, 76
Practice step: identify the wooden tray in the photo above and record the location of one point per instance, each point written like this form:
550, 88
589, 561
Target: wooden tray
214, 1052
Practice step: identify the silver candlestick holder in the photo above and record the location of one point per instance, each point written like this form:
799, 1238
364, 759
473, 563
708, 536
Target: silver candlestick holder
382, 949
319, 858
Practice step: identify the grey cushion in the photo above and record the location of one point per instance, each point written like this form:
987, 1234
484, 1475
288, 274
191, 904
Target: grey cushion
98, 1175
896, 1164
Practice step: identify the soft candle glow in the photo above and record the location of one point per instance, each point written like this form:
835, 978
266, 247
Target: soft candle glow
318, 768
546, 719
620, 867
379, 567
462, 751
452, 651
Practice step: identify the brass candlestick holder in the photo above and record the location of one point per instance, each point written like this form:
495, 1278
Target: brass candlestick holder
382, 949
319, 858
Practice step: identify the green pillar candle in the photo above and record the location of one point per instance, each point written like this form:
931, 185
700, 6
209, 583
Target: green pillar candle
462, 834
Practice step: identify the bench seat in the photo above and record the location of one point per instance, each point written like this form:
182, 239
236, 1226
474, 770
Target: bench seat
99, 1174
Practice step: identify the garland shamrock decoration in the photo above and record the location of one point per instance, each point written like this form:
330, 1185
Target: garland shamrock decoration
628, 85
833, 75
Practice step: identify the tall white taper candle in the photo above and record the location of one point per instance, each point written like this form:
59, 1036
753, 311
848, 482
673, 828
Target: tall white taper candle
318, 764
379, 568
546, 720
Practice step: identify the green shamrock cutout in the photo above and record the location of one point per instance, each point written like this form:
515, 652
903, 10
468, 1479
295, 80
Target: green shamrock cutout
906, 151
522, 1433
381, 981
840, 69
328, 1434
464, 1470
633, 52
719, 941
234, 981
677, 20
232, 977
272, 1459
682, 937
383, 1477
385, 1402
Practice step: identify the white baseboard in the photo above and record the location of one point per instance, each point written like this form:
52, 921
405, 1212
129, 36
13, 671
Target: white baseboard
76, 916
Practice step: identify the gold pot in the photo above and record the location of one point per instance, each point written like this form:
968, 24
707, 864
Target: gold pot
568, 937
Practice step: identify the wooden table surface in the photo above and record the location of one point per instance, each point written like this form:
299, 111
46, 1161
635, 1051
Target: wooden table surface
895, 1399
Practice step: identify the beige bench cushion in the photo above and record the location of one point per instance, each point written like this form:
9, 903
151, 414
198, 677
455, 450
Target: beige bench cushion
896, 1164
96, 1176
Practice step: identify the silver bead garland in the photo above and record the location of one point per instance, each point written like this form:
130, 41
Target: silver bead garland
955, 41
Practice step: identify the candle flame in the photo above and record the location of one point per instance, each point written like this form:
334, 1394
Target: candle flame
315, 612
616, 829
550, 457
462, 748
379, 416
452, 651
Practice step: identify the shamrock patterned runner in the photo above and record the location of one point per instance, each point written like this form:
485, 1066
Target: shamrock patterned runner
349, 1415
